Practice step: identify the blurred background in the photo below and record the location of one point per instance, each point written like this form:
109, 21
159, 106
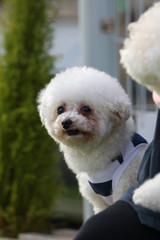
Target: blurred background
37, 40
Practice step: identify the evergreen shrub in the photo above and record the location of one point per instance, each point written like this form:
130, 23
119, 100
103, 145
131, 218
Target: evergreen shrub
28, 157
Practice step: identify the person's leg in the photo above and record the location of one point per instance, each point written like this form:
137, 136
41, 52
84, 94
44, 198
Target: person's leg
119, 221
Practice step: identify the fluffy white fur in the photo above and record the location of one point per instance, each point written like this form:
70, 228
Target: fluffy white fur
141, 53
96, 137
148, 195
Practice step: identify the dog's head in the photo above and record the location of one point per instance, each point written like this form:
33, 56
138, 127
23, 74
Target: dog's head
82, 106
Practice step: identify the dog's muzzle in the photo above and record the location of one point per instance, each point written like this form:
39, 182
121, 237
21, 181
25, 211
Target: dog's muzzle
67, 124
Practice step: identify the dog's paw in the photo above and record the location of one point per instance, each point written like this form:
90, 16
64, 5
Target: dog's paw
148, 194
139, 196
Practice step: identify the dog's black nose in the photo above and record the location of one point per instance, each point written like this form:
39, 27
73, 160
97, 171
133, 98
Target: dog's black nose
67, 124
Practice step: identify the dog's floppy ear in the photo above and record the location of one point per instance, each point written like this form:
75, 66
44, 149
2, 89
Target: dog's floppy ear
119, 112
40, 114
40, 107
42, 119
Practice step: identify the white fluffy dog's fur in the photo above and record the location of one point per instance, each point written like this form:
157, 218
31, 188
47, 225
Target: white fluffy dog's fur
148, 194
141, 59
87, 113
141, 53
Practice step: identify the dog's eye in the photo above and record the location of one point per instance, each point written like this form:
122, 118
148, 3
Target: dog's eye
60, 110
86, 109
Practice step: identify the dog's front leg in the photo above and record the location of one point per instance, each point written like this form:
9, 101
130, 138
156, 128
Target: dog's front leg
87, 192
148, 194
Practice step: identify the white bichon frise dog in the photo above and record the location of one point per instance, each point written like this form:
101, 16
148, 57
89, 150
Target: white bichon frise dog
88, 114
141, 59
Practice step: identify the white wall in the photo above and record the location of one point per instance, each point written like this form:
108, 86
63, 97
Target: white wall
66, 44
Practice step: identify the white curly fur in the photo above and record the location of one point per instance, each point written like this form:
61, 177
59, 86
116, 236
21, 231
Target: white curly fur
141, 53
148, 194
102, 133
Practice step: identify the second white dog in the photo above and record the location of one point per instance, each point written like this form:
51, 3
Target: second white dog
87, 113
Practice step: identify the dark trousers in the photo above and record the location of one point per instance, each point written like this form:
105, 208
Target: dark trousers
117, 222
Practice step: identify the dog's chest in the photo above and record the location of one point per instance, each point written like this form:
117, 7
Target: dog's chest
104, 182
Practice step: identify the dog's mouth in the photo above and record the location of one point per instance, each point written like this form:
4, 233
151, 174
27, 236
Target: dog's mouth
73, 132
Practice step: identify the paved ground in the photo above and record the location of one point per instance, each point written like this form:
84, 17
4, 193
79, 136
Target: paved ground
63, 234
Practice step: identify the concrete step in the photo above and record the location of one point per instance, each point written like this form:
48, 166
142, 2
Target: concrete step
57, 235
35, 236
3, 238
60, 234
67, 233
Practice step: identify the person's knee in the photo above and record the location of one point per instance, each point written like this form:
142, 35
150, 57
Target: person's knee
88, 230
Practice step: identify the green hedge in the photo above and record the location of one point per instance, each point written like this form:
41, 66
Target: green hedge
28, 157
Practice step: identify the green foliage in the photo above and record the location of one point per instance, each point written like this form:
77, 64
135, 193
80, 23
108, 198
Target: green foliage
28, 157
